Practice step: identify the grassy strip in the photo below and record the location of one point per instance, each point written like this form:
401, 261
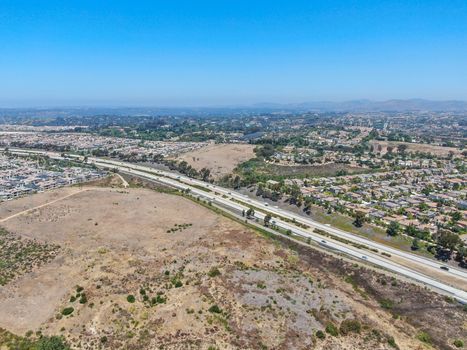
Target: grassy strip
273, 215
345, 241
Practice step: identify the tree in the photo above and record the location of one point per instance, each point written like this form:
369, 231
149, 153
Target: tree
461, 255
401, 148
267, 151
250, 213
267, 219
411, 230
205, 173
359, 219
448, 240
415, 244
393, 229
456, 216
237, 182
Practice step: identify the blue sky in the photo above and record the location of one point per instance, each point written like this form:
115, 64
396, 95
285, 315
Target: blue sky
112, 52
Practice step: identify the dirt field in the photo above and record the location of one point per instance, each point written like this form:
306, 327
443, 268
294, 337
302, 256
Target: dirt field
221, 159
414, 147
148, 270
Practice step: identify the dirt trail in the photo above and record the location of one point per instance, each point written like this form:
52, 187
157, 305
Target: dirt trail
40, 206
124, 182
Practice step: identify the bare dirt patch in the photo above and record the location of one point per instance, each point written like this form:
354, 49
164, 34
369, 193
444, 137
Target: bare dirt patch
382, 146
221, 159
139, 269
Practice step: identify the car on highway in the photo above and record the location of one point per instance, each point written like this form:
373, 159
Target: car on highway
364, 257
445, 268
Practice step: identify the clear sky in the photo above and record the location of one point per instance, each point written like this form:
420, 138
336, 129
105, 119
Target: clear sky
172, 52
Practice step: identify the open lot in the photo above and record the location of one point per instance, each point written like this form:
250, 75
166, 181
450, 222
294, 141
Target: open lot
158, 270
415, 147
221, 159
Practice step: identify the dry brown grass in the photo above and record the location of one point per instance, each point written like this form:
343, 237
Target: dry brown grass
116, 241
221, 159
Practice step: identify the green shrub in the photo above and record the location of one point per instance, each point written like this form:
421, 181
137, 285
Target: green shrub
51, 343
131, 298
178, 284
72, 299
159, 299
79, 289
320, 335
392, 342
332, 329
215, 309
458, 343
83, 299
214, 272
424, 337
67, 311
386, 304
350, 325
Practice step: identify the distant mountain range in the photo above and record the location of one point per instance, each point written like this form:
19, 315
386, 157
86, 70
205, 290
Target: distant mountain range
372, 106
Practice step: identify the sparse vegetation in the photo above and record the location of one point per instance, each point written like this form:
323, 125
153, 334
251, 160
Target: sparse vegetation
179, 227
19, 256
266, 279
9, 341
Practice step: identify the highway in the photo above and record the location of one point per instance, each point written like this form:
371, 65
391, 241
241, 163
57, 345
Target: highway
224, 197
292, 216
